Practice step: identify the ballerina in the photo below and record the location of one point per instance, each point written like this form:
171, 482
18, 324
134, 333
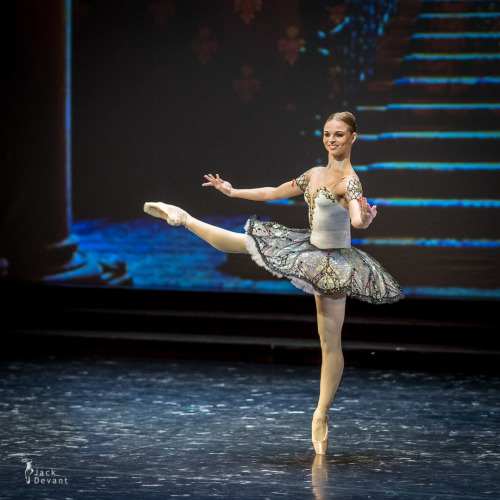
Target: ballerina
319, 260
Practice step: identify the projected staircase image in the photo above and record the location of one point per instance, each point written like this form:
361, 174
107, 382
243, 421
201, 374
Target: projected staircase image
427, 106
429, 126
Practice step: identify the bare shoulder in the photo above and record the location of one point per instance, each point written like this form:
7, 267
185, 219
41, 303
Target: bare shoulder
349, 181
304, 179
312, 172
351, 177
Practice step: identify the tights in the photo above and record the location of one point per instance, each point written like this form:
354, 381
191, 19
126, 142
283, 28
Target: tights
221, 239
330, 316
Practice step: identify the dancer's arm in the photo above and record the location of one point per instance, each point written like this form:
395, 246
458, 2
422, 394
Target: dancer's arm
286, 190
360, 211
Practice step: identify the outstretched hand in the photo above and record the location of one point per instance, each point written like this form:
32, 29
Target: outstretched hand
368, 213
222, 186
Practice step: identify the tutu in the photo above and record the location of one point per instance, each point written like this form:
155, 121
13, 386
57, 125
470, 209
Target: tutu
288, 253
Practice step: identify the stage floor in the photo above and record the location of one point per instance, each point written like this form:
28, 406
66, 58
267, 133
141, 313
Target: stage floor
116, 427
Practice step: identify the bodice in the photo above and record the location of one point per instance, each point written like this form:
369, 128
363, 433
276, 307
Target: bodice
329, 220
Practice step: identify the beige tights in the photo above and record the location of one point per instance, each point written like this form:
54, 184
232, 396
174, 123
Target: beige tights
330, 316
219, 238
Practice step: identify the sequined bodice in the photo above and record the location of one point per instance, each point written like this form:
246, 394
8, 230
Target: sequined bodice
329, 220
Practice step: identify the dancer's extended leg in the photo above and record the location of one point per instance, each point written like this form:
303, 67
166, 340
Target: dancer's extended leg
330, 315
219, 238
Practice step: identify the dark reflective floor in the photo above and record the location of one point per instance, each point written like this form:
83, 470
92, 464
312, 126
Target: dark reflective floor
101, 428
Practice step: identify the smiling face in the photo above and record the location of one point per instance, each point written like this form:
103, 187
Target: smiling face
338, 138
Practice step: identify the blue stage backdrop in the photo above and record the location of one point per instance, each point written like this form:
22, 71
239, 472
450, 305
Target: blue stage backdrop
164, 91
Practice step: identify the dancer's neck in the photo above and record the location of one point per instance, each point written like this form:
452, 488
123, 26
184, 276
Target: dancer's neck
339, 165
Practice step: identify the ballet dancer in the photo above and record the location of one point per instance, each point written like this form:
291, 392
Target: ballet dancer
319, 260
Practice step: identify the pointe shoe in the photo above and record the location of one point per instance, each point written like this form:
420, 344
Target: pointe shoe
175, 216
321, 446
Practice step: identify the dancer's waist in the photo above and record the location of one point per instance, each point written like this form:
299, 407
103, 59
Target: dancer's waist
330, 239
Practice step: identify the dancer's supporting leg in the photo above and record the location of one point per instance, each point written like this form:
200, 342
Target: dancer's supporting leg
330, 315
219, 238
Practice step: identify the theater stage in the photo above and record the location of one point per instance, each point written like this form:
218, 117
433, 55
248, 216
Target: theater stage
116, 426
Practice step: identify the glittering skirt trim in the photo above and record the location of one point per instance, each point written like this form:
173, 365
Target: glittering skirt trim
288, 253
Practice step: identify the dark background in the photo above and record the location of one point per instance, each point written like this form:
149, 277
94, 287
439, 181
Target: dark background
151, 114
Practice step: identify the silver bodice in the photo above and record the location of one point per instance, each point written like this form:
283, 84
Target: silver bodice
329, 220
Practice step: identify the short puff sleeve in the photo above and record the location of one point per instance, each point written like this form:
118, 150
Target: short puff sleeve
353, 190
302, 181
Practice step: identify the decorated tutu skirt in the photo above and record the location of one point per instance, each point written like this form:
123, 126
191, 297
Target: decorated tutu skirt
288, 253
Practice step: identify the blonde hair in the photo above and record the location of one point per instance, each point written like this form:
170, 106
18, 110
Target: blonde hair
346, 117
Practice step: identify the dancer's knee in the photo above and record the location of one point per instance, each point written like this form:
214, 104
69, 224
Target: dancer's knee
220, 238
235, 243
331, 342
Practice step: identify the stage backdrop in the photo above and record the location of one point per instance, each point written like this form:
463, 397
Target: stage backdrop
155, 94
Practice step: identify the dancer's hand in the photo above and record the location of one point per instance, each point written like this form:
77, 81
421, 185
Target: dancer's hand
368, 213
222, 186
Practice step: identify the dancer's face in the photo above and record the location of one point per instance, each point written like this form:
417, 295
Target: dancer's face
338, 139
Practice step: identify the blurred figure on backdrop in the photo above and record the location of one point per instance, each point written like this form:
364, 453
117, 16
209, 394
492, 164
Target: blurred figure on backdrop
319, 260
